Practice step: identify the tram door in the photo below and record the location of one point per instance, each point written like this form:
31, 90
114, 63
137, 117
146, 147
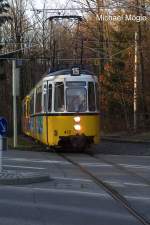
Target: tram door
27, 127
43, 117
49, 113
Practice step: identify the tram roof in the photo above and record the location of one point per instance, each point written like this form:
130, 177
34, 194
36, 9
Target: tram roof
65, 72
68, 72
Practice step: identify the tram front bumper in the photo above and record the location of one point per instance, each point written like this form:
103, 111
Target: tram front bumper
76, 141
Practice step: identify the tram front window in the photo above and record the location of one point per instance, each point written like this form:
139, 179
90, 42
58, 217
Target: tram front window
76, 100
59, 97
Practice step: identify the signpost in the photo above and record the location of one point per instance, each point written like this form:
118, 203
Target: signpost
3, 126
3, 131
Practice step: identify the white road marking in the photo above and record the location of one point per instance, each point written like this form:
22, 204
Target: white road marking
52, 190
24, 167
96, 164
135, 166
55, 162
36, 160
114, 183
130, 156
65, 191
109, 165
122, 184
72, 179
68, 163
138, 198
136, 184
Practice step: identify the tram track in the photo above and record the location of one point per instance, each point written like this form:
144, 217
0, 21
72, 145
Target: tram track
109, 189
121, 168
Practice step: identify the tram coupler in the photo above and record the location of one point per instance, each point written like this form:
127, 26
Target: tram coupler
76, 141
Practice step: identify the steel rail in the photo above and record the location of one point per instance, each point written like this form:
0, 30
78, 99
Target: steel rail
110, 190
122, 168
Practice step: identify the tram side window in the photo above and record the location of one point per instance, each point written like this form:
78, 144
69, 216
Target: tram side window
97, 96
38, 107
91, 96
50, 97
45, 98
31, 105
59, 97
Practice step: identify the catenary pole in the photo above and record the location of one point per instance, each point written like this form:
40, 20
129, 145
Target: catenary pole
14, 104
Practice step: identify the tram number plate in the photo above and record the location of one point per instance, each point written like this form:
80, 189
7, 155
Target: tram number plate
67, 131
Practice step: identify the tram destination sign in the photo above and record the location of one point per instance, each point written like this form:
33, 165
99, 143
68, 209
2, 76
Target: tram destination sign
75, 71
3, 126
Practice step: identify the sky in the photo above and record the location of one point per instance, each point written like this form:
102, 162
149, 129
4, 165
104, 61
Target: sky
39, 4
53, 3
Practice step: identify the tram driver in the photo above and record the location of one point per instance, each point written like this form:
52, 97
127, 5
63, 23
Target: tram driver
77, 104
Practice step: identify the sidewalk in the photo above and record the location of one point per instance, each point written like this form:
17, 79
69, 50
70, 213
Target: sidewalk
16, 177
127, 137
12, 177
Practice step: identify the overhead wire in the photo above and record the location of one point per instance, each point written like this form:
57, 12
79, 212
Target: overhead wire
87, 9
64, 9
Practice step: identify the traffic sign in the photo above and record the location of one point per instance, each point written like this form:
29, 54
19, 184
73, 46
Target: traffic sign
3, 126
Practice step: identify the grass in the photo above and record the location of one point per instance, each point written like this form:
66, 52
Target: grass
24, 143
144, 136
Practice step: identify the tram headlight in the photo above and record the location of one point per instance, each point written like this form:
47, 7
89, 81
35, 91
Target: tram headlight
77, 119
77, 127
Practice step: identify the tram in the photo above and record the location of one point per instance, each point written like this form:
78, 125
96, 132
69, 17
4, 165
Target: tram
63, 109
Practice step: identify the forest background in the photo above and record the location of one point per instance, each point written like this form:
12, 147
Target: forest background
107, 47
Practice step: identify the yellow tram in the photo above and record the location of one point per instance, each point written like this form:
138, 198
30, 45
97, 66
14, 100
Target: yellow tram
63, 109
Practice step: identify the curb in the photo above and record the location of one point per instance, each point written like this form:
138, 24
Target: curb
121, 140
18, 178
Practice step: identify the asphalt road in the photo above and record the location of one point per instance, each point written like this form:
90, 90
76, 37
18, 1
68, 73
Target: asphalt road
117, 148
72, 197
